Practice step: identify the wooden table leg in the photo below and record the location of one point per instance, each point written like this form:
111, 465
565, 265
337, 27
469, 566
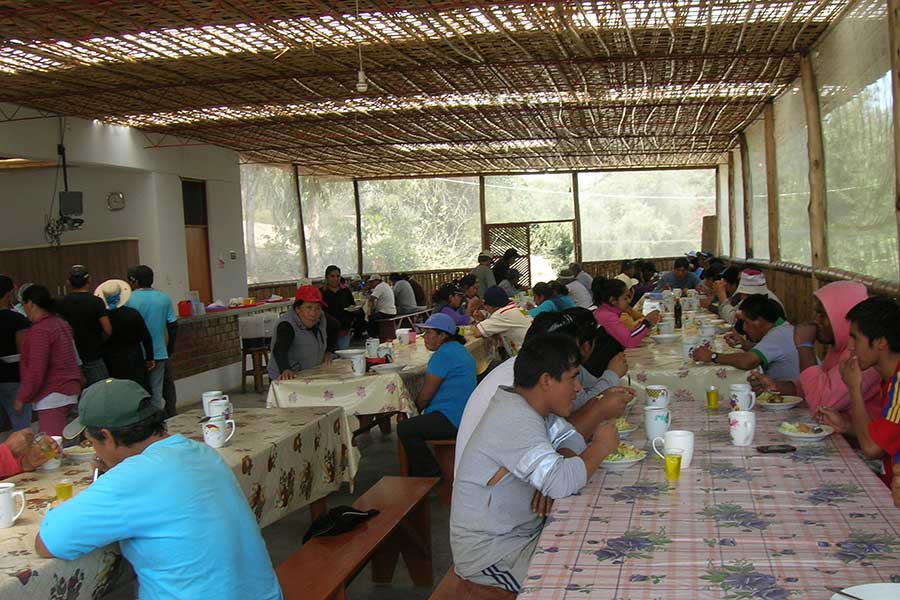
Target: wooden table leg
317, 509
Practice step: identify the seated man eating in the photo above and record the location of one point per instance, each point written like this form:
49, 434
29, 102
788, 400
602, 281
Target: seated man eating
769, 342
173, 505
493, 529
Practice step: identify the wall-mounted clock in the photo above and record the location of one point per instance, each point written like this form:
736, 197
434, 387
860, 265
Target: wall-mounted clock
115, 201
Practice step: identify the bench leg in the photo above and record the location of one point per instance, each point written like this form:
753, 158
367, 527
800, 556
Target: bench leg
317, 509
412, 539
257, 373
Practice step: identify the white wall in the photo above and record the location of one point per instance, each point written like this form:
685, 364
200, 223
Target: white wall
105, 158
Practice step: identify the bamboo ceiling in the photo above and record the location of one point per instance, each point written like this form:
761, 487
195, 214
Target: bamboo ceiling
454, 87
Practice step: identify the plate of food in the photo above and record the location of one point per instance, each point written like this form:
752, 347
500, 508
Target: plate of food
80, 454
624, 427
666, 338
805, 432
623, 457
388, 368
350, 353
777, 402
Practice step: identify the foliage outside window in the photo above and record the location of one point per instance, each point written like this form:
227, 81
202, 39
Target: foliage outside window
759, 195
329, 223
271, 223
419, 224
519, 198
724, 216
644, 213
792, 163
853, 74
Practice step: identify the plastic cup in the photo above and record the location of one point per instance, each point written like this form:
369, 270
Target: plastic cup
712, 398
673, 464
63, 489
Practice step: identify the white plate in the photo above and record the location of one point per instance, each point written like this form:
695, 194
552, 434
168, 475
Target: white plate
10, 358
350, 353
388, 368
622, 465
623, 433
666, 338
789, 403
808, 437
872, 591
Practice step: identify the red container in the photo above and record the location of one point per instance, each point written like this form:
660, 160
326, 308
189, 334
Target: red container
185, 309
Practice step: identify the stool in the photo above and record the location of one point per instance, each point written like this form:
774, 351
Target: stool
260, 362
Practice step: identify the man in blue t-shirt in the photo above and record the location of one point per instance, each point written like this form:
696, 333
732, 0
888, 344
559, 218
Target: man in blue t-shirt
173, 505
156, 309
449, 381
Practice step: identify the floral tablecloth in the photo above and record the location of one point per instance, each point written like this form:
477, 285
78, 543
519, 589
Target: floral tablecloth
739, 525
283, 460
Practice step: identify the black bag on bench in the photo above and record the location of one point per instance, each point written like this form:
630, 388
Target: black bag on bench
338, 520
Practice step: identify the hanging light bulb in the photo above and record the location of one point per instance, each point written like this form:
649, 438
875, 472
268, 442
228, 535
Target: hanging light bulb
362, 83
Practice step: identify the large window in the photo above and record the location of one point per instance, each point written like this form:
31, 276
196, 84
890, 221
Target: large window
518, 198
419, 224
853, 73
724, 216
792, 162
644, 213
271, 223
329, 222
759, 195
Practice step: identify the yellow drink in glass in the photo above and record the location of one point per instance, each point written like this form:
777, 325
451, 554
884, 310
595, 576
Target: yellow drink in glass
673, 465
712, 398
63, 489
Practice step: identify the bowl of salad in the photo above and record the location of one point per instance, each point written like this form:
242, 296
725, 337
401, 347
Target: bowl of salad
624, 456
624, 427
805, 432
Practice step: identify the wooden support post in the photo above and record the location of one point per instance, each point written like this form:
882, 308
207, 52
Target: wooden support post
772, 182
576, 230
894, 31
305, 260
747, 188
817, 218
485, 244
731, 216
359, 254
718, 249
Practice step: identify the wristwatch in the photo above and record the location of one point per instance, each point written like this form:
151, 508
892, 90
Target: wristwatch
714, 357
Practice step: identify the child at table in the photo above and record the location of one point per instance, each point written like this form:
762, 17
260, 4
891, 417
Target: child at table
493, 528
874, 342
612, 300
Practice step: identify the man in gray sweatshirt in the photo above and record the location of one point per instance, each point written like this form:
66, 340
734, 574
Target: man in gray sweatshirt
512, 453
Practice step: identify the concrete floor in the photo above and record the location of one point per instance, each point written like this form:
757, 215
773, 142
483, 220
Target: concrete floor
379, 458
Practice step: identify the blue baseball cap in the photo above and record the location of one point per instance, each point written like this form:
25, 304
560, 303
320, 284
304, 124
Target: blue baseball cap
441, 322
496, 296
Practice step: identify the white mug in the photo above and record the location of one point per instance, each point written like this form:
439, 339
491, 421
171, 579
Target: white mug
403, 335
707, 330
666, 327
741, 397
214, 431
742, 426
220, 406
656, 422
688, 346
690, 294
677, 292
8, 495
372, 347
657, 396
677, 440
359, 365
207, 396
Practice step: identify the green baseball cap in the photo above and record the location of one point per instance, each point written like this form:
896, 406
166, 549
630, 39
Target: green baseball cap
111, 403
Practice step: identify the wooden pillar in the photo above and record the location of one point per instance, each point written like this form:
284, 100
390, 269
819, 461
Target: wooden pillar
484, 237
747, 187
772, 182
719, 250
577, 224
305, 259
894, 31
817, 218
731, 216
359, 254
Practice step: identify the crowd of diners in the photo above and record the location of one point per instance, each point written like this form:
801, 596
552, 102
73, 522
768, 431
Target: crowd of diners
533, 429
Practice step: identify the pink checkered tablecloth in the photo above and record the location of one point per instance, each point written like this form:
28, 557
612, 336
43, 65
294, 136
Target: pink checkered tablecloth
739, 525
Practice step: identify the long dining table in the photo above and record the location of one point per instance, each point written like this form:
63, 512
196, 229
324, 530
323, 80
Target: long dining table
283, 460
738, 525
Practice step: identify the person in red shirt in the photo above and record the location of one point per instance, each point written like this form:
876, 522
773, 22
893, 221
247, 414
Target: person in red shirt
874, 343
17, 454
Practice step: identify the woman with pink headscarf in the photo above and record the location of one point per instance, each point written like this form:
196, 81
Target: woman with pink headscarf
820, 384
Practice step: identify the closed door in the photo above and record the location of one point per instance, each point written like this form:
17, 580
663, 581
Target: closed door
197, 242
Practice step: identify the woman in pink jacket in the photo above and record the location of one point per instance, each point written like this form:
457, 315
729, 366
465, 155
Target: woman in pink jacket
611, 298
820, 384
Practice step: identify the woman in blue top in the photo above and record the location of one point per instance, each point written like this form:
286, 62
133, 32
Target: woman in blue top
449, 381
543, 302
447, 300
561, 296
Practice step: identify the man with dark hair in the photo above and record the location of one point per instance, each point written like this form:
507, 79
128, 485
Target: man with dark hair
493, 527
12, 330
680, 277
581, 276
504, 263
173, 505
159, 315
770, 344
505, 319
404, 296
874, 343
89, 319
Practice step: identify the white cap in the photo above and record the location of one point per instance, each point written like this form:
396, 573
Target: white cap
752, 282
374, 277
629, 282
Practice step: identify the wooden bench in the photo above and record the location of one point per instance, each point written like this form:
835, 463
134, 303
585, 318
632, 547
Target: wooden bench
453, 587
445, 455
324, 566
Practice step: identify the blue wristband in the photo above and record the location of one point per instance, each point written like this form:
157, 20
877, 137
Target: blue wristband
806, 345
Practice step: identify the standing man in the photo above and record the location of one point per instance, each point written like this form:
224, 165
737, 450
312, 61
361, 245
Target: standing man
381, 302
89, 319
484, 273
12, 329
504, 263
156, 308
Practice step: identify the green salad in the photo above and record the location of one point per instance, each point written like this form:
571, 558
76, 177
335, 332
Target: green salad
805, 428
626, 452
622, 424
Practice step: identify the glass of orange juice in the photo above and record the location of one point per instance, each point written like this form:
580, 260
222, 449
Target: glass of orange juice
673, 464
63, 489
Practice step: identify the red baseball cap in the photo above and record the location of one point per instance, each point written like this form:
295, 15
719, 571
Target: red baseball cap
309, 293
